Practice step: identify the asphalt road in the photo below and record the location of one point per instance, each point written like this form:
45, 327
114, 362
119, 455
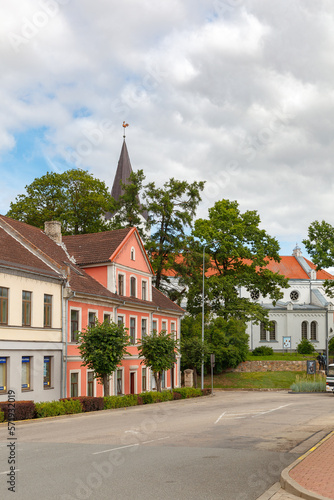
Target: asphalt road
231, 446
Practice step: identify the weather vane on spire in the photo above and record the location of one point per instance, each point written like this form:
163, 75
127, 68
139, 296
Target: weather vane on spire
124, 126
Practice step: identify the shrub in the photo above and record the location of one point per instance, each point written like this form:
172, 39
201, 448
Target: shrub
90, 403
2, 416
309, 384
263, 350
177, 395
189, 392
23, 409
72, 406
49, 409
111, 402
206, 391
305, 347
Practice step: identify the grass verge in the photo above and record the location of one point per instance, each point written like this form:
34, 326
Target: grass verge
283, 356
309, 383
254, 380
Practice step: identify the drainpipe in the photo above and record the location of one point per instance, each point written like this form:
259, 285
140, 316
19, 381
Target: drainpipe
65, 316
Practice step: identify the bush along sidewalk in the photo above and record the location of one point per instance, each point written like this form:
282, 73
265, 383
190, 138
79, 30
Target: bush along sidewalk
309, 383
66, 406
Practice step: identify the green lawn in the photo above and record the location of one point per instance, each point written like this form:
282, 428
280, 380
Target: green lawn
254, 380
293, 356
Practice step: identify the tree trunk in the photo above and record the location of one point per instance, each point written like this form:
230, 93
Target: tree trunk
157, 380
195, 377
106, 384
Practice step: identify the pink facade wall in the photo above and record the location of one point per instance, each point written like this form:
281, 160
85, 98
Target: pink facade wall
98, 273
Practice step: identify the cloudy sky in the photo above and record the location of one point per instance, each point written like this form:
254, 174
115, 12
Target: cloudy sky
238, 93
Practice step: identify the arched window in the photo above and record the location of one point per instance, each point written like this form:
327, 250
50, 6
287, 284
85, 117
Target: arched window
314, 328
263, 332
132, 254
133, 287
304, 329
272, 330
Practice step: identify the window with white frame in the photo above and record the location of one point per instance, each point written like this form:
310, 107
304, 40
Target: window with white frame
120, 320
107, 317
90, 383
91, 318
144, 290
144, 379
47, 311
74, 381
314, 329
26, 373
121, 282
3, 305
132, 330
173, 330
75, 316
143, 327
119, 382
270, 334
133, 286
47, 372
133, 254
164, 326
154, 326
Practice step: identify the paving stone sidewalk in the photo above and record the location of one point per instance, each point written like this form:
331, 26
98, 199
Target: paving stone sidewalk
310, 477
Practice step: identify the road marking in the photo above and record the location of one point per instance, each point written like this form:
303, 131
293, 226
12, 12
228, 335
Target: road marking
129, 446
216, 422
249, 413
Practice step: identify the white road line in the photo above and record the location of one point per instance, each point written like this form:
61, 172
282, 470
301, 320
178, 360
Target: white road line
113, 449
216, 422
8, 472
129, 445
270, 411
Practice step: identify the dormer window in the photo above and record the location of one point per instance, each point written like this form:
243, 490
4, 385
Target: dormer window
132, 254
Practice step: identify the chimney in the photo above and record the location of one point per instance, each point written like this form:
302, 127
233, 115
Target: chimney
52, 229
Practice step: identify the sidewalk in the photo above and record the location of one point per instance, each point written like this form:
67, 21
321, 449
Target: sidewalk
310, 477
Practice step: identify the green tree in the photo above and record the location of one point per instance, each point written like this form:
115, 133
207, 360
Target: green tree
320, 246
228, 340
158, 351
75, 198
171, 211
102, 348
331, 346
193, 351
238, 255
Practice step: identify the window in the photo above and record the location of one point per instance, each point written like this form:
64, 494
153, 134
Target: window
3, 305
154, 326
47, 372
143, 380
164, 326
106, 317
294, 295
47, 311
143, 327
121, 284
119, 387
26, 308
314, 329
25, 375
272, 330
74, 325
120, 320
255, 295
91, 318
304, 329
133, 287
144, 290
3, 374
74, 385
90, 383
132, 254
132, 330
263, 332
173, 331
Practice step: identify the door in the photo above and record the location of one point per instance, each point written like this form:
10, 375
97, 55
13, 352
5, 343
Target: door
132, 383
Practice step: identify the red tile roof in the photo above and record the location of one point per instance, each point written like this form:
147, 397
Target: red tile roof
291, 269
95, 248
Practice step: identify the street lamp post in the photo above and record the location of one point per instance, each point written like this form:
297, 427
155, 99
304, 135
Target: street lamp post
202, 367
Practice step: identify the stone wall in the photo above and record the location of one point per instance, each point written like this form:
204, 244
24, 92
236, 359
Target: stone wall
271, 366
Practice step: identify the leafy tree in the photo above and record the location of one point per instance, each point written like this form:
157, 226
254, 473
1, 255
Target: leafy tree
102, 348
158, 351
193, 350
331, 345
238, 255
320, 246
75, 198
171, 211
228, 341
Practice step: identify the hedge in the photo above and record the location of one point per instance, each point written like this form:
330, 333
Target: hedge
88, 403
55, 408
23, 410
111, 402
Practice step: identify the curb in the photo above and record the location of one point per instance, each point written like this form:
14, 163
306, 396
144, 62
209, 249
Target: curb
291, 486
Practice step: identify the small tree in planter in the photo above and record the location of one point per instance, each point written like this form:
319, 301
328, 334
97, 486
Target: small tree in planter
158, 351
102, 348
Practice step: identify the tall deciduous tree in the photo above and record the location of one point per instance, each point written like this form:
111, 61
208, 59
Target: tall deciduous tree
239, 252
158, 351
102, 348
171, 211
75, 198
320, 246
